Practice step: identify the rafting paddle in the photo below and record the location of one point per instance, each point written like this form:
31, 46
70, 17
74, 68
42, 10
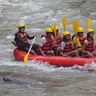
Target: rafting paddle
26, 56
89, 23
55, 32
64, 23
55, 29
75, 24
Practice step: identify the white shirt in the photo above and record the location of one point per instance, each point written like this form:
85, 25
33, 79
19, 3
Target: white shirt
43, 41
62, 45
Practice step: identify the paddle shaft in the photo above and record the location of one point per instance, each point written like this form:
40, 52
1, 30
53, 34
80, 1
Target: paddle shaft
89, 22
64, 23
31, 45
75, 26
55, 29
55, 33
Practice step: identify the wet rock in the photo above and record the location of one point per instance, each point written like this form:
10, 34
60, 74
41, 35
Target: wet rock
6, 79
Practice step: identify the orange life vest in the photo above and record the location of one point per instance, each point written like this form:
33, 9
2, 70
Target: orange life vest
49, 44
23, 37
58, 39
90, 46
82, 39
68, 46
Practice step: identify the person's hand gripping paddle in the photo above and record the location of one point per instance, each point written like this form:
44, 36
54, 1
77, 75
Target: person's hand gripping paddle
26, 56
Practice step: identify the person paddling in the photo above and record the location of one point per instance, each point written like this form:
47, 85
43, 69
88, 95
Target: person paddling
21, 41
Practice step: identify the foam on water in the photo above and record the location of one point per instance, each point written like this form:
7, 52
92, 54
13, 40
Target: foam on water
39, 65
37, 14
36, 78
46, 67
87, 67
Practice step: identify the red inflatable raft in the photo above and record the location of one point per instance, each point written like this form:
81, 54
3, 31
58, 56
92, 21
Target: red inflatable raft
54, 60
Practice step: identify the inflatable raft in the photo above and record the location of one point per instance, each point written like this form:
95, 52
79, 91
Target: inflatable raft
54, 60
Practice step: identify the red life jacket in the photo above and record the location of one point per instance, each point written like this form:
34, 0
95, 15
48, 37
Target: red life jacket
90, 46
58, 39
49, 44
82, 39
23, 37
68, 46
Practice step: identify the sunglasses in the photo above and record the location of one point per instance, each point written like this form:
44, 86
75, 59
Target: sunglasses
22, 27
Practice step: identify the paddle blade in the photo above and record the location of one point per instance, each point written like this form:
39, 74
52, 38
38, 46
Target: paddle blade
89, 23
64, 23
55, 29
75, 25
26, 58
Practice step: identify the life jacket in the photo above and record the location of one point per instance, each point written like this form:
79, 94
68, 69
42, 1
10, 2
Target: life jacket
82, 39
90, 46
68, 46
23, 37
58, 39
49, 44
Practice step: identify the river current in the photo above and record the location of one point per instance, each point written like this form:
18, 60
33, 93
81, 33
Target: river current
39, 78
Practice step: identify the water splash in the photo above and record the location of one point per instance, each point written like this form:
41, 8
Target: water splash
87, 67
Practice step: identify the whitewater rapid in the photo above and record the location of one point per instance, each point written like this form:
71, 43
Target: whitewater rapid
39, 78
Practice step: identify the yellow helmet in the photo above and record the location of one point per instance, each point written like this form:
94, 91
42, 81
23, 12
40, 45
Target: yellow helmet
49, 30
89, 30
65, 33
80, 29
20, 25
53, 27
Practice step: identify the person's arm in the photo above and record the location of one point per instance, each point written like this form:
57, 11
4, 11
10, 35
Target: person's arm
54, 41
94, 47
85, 44
62, 46
83, 47
30, 37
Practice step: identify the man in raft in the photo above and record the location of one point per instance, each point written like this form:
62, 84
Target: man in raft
78, 41
21, 41
58, 36
47, 43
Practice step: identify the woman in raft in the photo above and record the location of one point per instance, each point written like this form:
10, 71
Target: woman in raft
89, 42
67, 47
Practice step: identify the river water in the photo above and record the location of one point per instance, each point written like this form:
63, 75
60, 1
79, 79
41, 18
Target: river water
38, 78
